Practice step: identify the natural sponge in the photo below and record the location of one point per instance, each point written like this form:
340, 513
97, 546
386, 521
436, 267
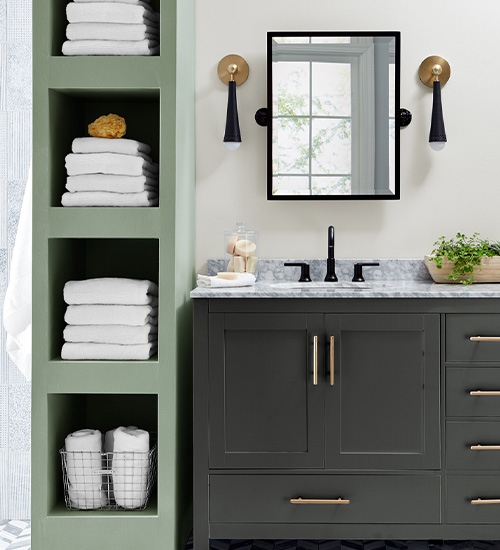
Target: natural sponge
108, 126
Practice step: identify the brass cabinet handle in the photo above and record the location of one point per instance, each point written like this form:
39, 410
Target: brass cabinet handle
482, 392
332, 360
484, 338
315, 361
319, 501
485, 447
486, 501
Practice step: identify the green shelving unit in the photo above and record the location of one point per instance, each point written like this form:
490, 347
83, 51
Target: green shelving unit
156, 97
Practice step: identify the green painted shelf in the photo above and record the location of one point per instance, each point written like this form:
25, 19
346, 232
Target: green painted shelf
156, 97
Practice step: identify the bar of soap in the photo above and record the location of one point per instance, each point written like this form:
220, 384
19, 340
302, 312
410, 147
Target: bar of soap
231, 244
239, 264
245, 248
230, 265
228, 276
252, 264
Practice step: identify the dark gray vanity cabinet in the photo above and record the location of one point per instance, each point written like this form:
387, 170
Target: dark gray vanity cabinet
346, 418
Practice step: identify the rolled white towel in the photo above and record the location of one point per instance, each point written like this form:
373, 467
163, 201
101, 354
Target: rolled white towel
244, 279
107, 352
109, 163
110, 12
111, 315
111, 31
110, 290
147, 198
111, 334
111, 47
122, 146
110, 184
130, 466
83, 459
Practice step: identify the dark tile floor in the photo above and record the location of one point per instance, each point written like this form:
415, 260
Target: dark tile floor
348, 545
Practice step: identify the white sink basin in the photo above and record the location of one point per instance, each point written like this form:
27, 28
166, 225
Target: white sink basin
321, 286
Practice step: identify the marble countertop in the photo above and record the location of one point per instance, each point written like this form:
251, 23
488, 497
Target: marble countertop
393, 278
374, 289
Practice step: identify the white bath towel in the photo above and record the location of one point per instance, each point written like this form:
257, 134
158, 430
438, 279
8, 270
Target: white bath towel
111, 315
111, 334
110, 290
83, 460
110, 12
130, 466
111, 31
107, 352
111, 47
111, 184
17, 303
122, 146
108, 163
244, 279
104, 199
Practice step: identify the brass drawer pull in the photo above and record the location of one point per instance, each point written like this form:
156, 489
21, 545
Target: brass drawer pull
484, 338
486, 501
315, 361
332, 360
485, 448
482, 392
318, 501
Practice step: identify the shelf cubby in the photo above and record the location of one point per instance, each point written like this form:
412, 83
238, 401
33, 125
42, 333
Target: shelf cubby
70, 412
72, 110
59, 23
78, 259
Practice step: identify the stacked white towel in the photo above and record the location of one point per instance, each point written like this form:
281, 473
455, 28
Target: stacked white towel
110, 172
110, 319
112, 27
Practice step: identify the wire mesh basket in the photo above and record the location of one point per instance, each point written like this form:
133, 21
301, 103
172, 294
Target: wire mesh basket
108, 481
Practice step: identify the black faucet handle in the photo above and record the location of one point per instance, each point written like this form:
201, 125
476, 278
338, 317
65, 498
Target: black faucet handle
358, 271
305, 277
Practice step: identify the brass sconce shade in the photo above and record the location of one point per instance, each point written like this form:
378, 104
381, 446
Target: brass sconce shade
435, 72
232, 70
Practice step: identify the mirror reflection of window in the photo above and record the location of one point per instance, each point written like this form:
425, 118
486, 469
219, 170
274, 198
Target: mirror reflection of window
330, 111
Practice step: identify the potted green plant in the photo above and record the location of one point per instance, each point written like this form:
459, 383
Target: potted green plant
464, 260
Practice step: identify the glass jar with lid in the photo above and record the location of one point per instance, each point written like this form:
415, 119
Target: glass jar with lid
241, 247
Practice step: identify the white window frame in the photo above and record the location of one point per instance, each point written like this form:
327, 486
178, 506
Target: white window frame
359, 53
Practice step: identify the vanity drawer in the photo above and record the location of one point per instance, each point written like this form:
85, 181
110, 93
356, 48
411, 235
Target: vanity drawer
460, 382
459, 330
463, 490
461, 436
372, 498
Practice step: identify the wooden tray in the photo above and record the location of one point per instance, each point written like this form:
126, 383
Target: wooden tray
487, 272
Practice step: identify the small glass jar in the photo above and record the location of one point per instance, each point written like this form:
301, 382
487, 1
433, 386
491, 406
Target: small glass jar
241, 248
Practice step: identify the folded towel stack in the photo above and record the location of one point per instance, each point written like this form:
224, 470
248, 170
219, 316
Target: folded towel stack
110, 172
110, 319
112, 27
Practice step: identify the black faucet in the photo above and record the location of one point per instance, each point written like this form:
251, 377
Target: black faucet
330, 262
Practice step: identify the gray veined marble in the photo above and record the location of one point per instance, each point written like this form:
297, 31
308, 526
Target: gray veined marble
394, 278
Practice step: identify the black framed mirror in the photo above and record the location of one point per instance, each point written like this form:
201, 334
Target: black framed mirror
333, 105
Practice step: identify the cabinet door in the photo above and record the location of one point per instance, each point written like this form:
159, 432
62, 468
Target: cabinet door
264, 409
383, 410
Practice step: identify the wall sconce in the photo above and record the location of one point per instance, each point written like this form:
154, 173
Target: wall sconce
435, 72
232, 70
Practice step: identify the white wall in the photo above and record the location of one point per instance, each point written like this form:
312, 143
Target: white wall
441, 193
